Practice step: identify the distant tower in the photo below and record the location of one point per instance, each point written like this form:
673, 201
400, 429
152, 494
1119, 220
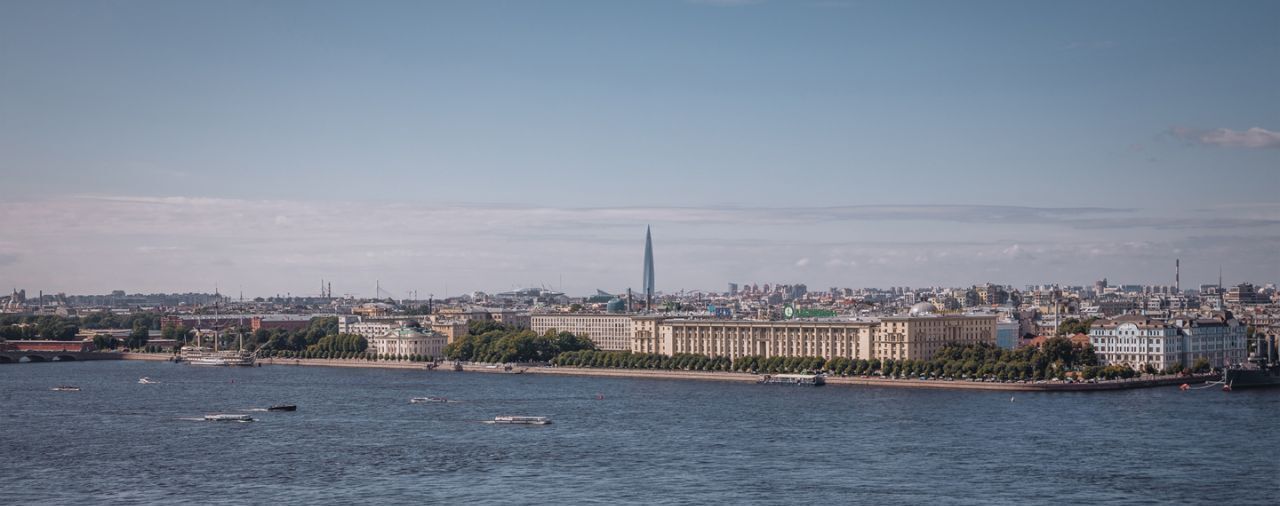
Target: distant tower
648, 270
1177, 275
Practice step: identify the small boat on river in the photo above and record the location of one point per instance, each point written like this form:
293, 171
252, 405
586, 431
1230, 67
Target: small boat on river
283, 407
423, 400
792, 379
65, 388
521, 420
222, 417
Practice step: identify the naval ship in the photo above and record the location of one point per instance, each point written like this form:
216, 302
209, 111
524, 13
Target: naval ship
1263, 369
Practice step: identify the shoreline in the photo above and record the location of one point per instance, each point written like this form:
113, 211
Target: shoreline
737, 377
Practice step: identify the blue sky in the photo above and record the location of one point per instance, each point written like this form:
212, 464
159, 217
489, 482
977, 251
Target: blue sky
512, 143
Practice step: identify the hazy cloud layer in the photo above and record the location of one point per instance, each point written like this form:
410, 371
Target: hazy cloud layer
95, 244
1253, 138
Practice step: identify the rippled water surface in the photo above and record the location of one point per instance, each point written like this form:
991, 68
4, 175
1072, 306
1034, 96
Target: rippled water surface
355, 438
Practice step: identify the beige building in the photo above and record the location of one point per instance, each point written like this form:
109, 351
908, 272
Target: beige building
739, 338
451, 330
644, 334
899, 338
514, 318
919, 337
609, 332
406, 341
510, 318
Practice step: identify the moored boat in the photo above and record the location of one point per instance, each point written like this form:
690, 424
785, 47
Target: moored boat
1263, 369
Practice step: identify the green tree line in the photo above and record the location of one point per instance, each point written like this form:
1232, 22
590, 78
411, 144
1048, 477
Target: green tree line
499, 343
1057, 358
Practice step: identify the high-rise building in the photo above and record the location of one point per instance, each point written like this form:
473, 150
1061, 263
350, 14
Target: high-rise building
648, 269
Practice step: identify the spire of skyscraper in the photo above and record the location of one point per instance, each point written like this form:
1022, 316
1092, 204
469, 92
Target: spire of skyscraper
648, 269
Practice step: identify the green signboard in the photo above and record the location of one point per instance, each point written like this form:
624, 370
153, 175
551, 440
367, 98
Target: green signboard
790, 312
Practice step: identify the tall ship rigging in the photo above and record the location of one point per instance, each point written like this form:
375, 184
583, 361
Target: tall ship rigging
202, 355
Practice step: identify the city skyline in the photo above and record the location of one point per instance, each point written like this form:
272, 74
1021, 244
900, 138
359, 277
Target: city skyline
452, 147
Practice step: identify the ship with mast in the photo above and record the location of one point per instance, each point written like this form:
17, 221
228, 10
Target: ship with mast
1263, 368
202, 355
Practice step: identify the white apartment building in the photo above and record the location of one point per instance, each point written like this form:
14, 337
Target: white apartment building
1137, 341
608, 332
366, 329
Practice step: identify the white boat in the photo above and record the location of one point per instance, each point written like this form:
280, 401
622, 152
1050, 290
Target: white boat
792, 379
189, 353
521, 420
65, 388
421, 400
146, 381
222, 417
223, 358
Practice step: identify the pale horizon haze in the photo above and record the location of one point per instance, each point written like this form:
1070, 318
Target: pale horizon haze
453, 146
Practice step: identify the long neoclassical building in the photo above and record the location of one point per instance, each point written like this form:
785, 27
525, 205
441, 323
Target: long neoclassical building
912, 337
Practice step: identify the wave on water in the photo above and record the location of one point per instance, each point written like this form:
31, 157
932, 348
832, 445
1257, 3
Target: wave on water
191, 419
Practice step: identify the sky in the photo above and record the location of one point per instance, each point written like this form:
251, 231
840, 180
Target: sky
445, 147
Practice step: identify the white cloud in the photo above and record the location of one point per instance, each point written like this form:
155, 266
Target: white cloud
1253, 138
181, 243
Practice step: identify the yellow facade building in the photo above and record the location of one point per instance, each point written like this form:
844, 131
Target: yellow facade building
914, 337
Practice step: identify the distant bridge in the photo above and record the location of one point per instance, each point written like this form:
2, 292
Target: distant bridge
14, 357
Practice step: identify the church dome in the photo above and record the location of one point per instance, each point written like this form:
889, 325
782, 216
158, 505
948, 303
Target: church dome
923, 308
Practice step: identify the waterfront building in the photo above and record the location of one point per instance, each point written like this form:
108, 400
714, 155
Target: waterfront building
644, 334
408, 341
1137, 341
1220, 340
919, 336
610, 332
739, 338
915, 336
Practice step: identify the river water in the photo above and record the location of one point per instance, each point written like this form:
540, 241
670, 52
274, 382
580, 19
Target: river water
355, 438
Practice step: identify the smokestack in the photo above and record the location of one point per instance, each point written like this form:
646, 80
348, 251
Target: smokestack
1177, 275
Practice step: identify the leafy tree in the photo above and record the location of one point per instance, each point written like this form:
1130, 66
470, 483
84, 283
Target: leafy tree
105, 342
138, 337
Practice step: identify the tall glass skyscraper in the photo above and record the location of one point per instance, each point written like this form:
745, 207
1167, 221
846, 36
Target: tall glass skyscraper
648, 269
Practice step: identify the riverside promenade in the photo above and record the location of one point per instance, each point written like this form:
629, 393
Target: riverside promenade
1146, 382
